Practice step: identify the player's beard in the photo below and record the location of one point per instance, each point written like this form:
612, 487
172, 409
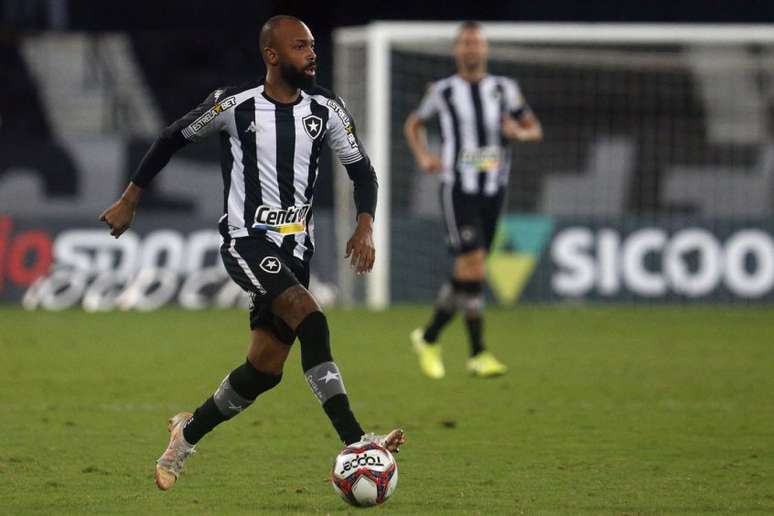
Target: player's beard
472, 64
298, 78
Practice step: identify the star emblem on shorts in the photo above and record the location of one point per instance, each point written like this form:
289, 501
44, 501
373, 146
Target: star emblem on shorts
467, 233
271, 265
329, 376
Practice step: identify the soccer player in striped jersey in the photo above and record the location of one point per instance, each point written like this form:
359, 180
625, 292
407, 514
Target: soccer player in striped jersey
271, 135
480, 115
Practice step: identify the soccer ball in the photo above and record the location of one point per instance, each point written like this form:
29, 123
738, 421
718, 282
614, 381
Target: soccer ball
365, 474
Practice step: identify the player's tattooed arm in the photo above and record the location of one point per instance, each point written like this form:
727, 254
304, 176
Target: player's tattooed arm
293, 305
120, 214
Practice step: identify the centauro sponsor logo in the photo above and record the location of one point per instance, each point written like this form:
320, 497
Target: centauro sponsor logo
210, 115
483, 159
282, 220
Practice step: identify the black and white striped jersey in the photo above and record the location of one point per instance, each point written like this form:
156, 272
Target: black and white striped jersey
476, 157
269, 158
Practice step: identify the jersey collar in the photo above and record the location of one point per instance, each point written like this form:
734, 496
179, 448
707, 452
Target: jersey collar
282, 104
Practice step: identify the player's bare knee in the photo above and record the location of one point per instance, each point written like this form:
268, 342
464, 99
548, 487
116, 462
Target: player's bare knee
294, 305
299, 310
267, 352
268, 361
471, 266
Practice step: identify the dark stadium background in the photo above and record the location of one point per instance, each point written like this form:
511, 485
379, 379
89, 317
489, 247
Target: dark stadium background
186, 49
214, 43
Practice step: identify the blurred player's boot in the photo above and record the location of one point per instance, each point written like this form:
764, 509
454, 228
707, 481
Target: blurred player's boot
170, 464
485, 365
391, 441
429, 355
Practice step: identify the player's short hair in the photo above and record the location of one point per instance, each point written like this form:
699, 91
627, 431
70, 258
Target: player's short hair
267, 30
466, 25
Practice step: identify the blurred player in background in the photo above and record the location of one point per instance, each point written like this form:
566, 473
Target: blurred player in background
271, 135
480, 115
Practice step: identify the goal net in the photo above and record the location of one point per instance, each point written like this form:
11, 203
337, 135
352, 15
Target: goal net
654, 181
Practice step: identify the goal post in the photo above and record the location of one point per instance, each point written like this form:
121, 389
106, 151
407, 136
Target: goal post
369, 61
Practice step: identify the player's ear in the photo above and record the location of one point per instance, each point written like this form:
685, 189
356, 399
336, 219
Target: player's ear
270, 56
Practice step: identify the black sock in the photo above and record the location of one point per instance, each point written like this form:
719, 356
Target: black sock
475, 332
440, 319
472, 300
250, 382
445, 307
338, 411
237, 391
315, 339
205, 418
324, 377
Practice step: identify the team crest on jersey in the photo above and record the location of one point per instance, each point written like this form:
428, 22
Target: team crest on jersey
312, 125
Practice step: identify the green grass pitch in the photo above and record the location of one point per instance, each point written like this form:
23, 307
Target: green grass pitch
611, 410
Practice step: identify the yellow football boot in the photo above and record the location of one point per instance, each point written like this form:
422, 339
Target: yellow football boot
430, 361
485, 365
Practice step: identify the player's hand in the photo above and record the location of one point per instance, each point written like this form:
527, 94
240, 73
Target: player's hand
360, 248
119, 216
430, 163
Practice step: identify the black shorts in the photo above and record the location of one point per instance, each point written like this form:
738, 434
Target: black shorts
265, 271
470, 219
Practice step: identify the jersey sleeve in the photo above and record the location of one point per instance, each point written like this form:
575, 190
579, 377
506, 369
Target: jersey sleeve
430, 104
514, 100
203, 120
342, 137
343, 140
206, 118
